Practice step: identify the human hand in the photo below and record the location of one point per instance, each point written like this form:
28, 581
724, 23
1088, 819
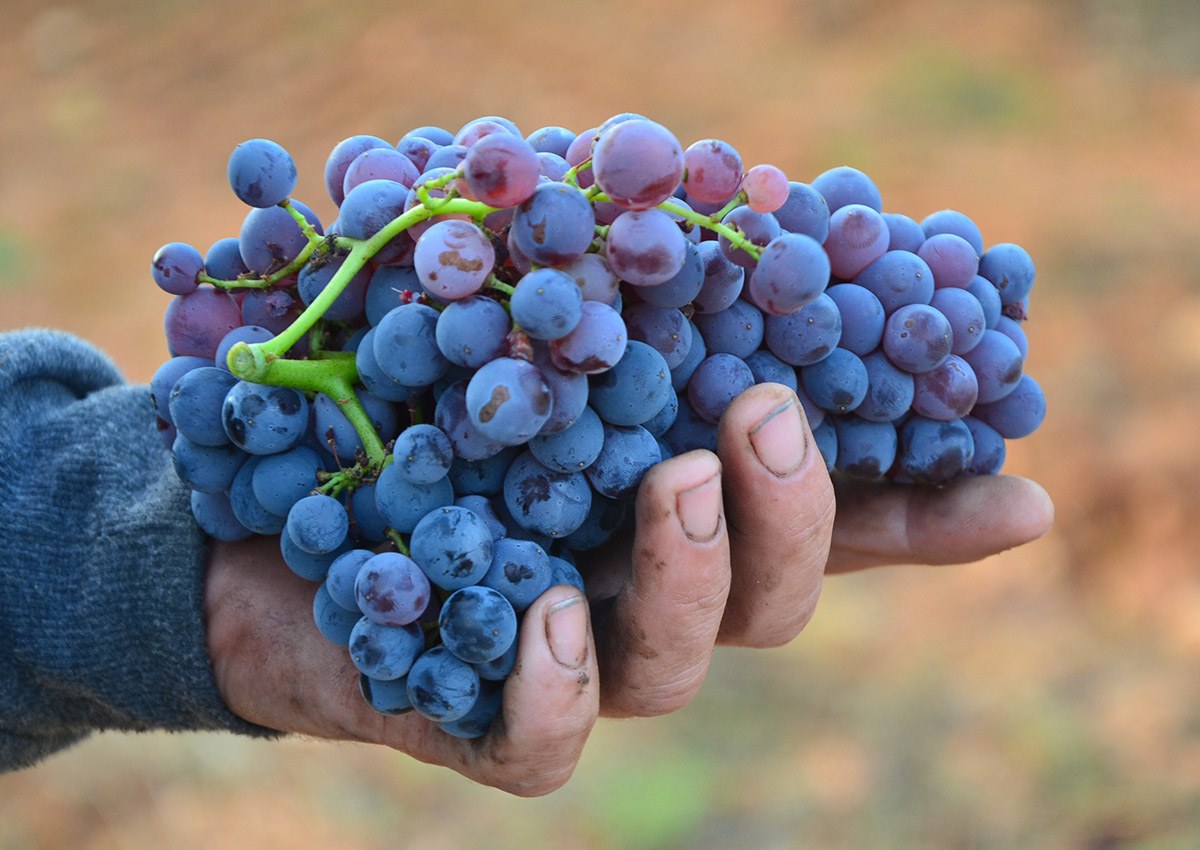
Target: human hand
725, 552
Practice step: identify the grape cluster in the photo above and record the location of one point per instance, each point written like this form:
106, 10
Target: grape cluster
440, 397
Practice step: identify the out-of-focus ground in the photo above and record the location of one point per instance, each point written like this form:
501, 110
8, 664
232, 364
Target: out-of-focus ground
1046, 698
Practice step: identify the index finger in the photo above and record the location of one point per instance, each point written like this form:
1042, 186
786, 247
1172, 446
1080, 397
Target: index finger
879, 524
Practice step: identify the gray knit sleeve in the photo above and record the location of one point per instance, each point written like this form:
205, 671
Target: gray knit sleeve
101, 564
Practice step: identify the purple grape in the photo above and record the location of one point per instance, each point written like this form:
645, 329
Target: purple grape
196, 323
951, 259
344, 153
858, 236
947, 391
391, 590
645, 247
917, 338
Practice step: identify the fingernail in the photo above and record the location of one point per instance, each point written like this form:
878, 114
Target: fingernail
699, 510
778, 439
566, 631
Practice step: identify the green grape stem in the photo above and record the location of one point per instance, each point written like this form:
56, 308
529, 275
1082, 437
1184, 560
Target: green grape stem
735, 236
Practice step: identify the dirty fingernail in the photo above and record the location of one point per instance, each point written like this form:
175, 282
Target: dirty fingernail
699, 510
778, 439
566, 631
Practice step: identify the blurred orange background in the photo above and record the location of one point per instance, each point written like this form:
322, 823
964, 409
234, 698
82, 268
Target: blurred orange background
1046, 698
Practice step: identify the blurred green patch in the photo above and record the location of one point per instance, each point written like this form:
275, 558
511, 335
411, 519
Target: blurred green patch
654, 804
14, 259
943, 88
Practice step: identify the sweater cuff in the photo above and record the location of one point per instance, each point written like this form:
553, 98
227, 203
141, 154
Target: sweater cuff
102, 566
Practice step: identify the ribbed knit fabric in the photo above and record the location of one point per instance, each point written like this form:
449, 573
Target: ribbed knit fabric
101, 564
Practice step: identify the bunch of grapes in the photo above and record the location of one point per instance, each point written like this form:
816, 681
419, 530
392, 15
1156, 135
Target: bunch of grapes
440, 397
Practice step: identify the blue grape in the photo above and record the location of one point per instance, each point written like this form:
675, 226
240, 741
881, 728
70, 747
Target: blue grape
367, 522
508, 400
758, 228
825, 436
423, 454
805, 211
476, 722
214, 514
546, 304
737, 330
554, 225
473, 330
633, 390
263, 419
697, 351
862, 317
246, 507
520, 572
196, 323
627, 454
606, 518
904, 233
484, 476
1017, 414
318, 524
844, 185
453, 546
477, 624
568, 389
305, 564
690, 431
551, 139
723, 280
990, 448
402, 503
1010, 269
898, 278
543, 500
665, 329
889, 390
333, 621
270, 238
391, 589
806, 336
917, 338
997, 364
499, 669
450, 414
406, 345
196, 403
176, 268
574, 448
660, 422
351, 301
933, 451
342, 574
261, 173
209, 469
951, 259
442, 687
989, 298
838, 383
715, 384
952, 221
965, 314
385, 652
453, 259
858, 236
792, 270
386, 290
378, 382
482, 507
224, 259
767, 368
388, 696
865, 449
165, 378
437, 135
336, 432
